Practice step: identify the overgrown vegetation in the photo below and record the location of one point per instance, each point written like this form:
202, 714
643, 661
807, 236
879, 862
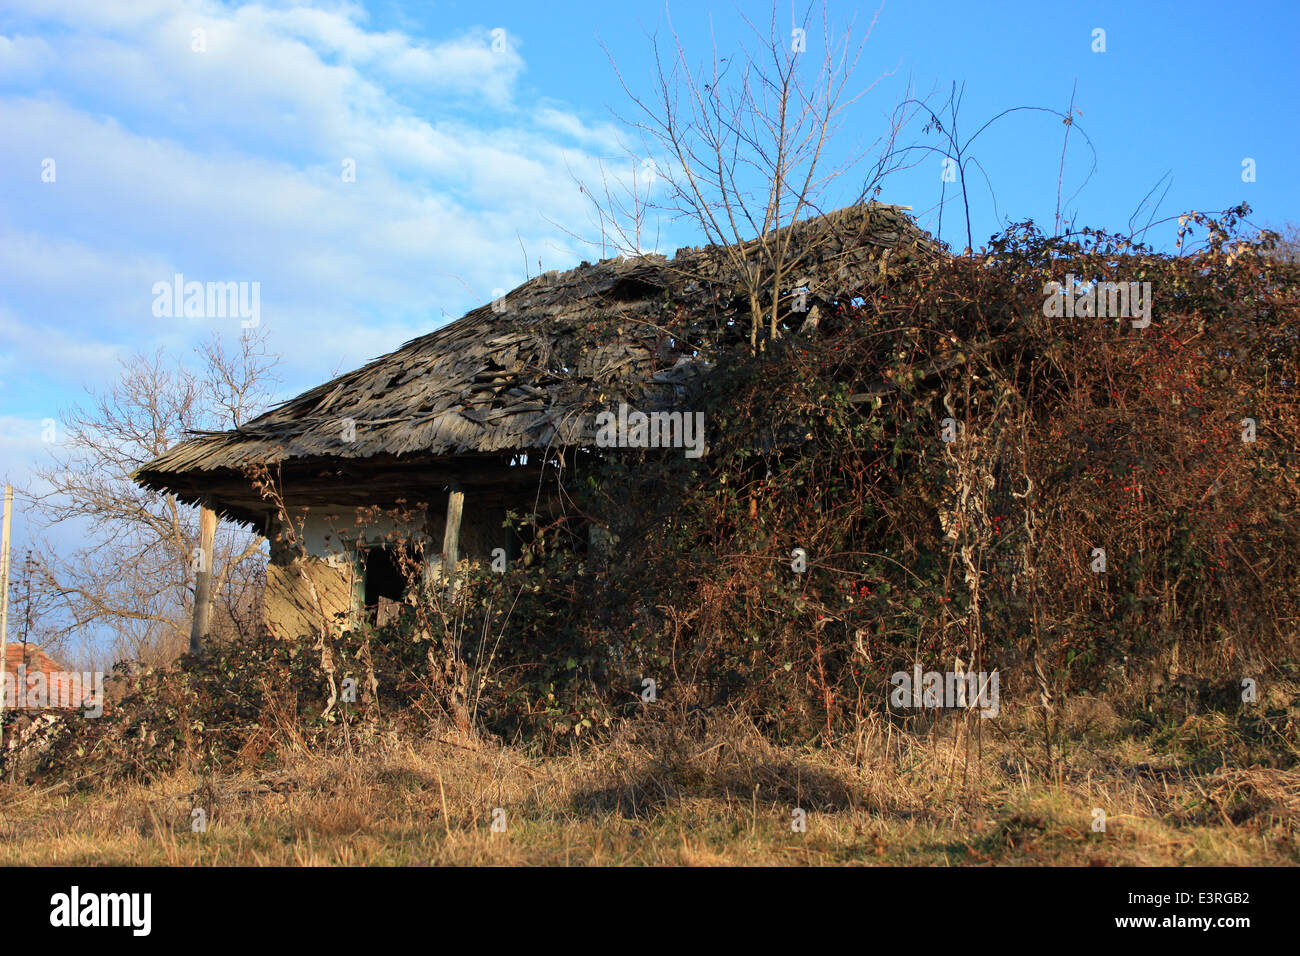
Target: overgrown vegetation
657, 791
1070, 435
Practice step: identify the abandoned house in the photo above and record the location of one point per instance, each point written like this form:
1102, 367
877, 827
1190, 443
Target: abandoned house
484, 415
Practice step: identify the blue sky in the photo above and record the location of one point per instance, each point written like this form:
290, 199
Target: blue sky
225, 164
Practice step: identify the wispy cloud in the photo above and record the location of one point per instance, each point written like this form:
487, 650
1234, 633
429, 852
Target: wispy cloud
221, 142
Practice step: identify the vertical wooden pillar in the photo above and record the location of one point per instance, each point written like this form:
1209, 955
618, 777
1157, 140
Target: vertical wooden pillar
451, 536
203, 579
357, 568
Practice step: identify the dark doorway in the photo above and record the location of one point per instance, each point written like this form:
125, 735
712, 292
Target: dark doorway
384, 577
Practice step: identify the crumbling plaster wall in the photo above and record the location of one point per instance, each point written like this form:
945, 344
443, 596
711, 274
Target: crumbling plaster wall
324, 586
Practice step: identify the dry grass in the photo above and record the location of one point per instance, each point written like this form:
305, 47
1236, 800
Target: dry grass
663, 793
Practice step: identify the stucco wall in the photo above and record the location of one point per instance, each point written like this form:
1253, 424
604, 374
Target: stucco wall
331, 537
302, 594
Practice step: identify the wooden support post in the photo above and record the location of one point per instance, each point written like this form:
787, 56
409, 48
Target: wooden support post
451, 536
203, 579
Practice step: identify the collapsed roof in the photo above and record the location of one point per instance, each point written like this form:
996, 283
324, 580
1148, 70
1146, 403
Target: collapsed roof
524, 372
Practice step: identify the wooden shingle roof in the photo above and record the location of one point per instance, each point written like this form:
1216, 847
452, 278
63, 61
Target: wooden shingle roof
524, 372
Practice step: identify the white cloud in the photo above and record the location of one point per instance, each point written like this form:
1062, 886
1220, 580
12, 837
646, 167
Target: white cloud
602, 137
31, 348
226, 165
471, 63
24, 56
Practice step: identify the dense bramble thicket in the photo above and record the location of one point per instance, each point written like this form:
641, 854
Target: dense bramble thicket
1071, 435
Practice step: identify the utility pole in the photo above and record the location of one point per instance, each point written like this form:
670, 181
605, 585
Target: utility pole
27, 600
4, 607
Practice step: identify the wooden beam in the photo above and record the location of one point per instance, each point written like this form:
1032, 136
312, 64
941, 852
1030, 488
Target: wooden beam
203, 579
451, 535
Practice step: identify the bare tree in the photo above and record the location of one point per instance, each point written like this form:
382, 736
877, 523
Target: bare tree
1287, 244
620, 207
746, 152
956, 151
132, 576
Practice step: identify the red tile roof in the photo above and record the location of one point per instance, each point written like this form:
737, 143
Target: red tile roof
59, 685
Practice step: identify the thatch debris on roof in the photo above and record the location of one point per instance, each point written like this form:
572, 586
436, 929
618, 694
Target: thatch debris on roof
524, 372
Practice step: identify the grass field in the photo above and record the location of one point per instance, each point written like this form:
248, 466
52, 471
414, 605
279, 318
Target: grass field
1203, 788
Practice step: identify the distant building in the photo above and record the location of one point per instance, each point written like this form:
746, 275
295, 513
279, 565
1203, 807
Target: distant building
33, 680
